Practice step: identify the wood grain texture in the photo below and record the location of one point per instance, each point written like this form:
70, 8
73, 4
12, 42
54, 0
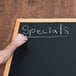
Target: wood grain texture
12, 9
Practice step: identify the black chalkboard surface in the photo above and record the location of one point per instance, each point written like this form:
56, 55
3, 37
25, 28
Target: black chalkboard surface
50, 50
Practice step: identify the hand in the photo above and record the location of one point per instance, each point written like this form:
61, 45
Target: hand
19, 40
6, 53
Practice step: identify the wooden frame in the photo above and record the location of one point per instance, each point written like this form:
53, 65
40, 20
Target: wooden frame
7, 67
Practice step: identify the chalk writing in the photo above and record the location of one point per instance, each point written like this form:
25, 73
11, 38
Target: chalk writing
45, 31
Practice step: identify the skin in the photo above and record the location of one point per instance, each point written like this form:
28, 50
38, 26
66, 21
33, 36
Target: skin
6, 53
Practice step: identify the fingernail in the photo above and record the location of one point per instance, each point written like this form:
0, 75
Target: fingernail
26, 38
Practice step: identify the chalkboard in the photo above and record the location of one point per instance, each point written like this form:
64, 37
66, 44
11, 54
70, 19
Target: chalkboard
50, 50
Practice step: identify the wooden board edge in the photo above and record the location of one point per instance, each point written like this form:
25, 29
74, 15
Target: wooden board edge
8, 64
47, 20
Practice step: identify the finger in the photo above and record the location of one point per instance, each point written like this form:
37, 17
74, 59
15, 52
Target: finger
21, 36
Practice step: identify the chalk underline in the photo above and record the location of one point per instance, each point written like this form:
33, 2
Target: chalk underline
47, 36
